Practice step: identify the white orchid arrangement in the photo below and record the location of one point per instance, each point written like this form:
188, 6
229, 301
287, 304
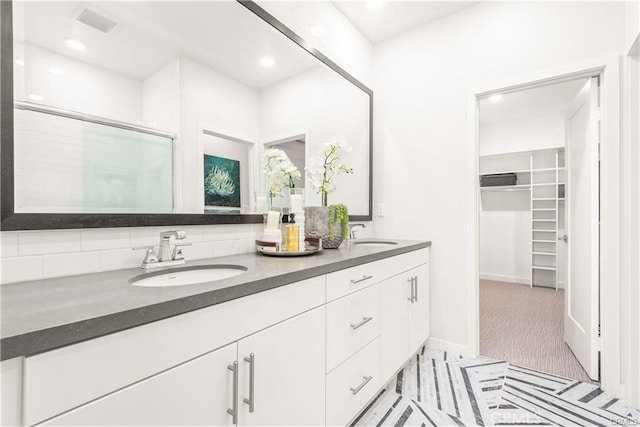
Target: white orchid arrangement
279, 170
323, 172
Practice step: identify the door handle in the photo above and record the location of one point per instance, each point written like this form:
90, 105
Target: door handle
233, 411
413, 282
415, 285
252, 366
564, 238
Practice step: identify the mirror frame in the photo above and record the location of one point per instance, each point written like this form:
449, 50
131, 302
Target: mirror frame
11, 221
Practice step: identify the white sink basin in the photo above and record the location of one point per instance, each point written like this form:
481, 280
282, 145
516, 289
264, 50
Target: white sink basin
374, 242
188, 275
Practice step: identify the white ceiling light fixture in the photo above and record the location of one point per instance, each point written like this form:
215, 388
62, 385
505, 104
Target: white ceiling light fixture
35, 97
267, 61
495, 98
55, 70
20, 62
376, 4
75, 44
95, 18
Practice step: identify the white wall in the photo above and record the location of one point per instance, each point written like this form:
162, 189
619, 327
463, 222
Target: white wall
422, 82
323, 104
526, 133
41, 254
338, 38
220, 104
80, 87
630, 218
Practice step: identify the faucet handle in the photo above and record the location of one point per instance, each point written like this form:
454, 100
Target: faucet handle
177, 252
150, 257
352, 229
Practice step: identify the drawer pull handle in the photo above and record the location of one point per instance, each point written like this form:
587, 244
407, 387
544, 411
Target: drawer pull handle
364, 383
362, 279
364, 321
252, 367
415, 284
233, 411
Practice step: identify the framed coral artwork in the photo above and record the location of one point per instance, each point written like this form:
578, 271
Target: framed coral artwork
221, 184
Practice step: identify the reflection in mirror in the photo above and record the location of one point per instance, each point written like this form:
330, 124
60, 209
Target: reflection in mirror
171, 105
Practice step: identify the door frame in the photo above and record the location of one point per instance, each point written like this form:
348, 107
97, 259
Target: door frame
608, 69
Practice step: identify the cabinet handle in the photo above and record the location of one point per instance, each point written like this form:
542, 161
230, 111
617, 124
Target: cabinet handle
364, 321
415, 284
252, 366
233, 411
364, 383
362, 279
412, 298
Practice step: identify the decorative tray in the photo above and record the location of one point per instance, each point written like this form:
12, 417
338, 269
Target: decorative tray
312, 246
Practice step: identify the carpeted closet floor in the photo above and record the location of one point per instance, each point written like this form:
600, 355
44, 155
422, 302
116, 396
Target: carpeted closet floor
524, 326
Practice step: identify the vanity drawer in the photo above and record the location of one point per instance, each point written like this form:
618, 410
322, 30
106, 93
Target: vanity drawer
351, 385
352, 322
61, 379
349, 280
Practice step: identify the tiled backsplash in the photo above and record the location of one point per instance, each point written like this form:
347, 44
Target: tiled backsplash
32, 255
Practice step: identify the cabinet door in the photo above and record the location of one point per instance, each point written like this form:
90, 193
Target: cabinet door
288, 373
420, 308
395, 333
198, 392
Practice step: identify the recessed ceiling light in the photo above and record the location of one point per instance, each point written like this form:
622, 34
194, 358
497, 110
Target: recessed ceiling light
317, 30
35, 97
75, 44
494, 98
376, 4
20, 62
267, 61
55, 70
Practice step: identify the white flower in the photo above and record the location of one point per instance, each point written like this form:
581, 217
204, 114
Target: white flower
219, 182
322, 173
279, 170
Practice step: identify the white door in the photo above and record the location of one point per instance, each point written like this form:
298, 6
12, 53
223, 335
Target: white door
288, 384
582, 293
420, 307
196, 393
396, 317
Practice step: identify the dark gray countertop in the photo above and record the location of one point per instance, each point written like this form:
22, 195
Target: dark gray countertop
45, 314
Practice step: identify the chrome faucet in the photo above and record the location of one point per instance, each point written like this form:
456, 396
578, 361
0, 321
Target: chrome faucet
166, 256
352, 229
165, 244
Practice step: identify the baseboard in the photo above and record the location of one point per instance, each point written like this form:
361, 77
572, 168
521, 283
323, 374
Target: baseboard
504, 278
449, 346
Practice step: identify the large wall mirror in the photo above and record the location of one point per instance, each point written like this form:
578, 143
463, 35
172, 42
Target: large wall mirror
159, 113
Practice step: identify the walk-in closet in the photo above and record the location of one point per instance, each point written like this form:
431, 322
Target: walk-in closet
528, 140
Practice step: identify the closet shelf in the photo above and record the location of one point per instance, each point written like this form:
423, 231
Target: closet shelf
543, 241
544, 253
545, 198
544, 184
549, 209
543, 231
522, 187
543, 267
543, 220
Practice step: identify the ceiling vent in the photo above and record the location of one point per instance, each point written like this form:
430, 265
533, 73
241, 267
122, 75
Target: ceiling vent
95, 18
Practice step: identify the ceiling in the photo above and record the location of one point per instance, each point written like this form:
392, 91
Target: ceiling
395, 17
530, 102
222, 35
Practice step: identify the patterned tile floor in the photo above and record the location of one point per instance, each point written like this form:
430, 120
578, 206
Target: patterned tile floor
439, 389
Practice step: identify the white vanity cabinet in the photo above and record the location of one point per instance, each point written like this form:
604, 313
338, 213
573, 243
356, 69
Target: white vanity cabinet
260, 382
405, 317
196, 393
313, 352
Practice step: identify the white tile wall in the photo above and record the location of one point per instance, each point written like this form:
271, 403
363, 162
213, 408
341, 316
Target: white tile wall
32, 255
